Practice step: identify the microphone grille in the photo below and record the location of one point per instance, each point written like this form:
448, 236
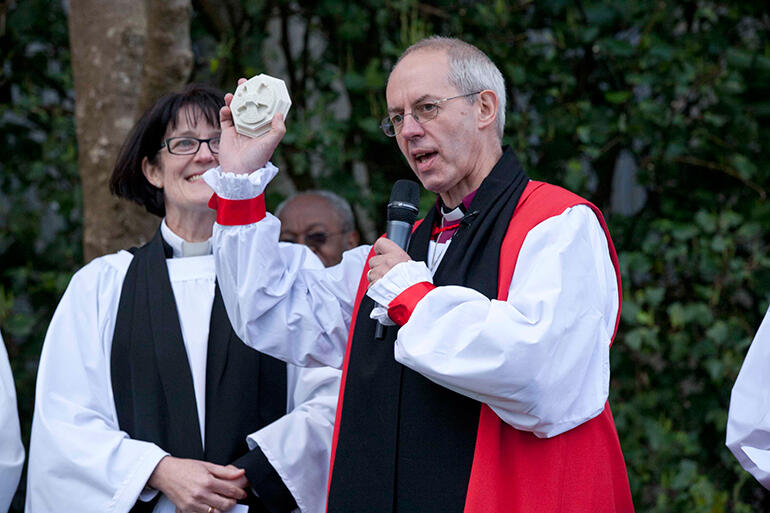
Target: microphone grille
404, 201
405, 191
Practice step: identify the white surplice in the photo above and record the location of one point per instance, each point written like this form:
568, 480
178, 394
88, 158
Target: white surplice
540, 359
748, 420
11, 448
79, 458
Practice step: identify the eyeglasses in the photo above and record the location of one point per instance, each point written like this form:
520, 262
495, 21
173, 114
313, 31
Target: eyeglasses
312, 240
189, 145
421, 112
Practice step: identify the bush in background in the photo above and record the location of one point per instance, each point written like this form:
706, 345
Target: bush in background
655, 110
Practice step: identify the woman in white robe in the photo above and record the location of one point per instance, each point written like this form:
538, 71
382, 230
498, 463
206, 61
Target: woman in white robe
82, 457
11, 448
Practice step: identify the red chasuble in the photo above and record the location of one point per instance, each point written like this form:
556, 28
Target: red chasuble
579, 471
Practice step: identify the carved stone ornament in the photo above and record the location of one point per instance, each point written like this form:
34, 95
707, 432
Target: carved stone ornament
254, 103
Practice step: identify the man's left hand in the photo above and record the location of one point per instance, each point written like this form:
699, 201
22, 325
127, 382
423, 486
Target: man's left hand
387, 255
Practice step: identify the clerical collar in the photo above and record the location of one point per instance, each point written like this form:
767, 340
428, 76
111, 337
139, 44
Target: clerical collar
449, 219
181, 247
455, 214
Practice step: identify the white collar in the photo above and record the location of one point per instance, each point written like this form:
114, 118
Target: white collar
455, 214
181, 247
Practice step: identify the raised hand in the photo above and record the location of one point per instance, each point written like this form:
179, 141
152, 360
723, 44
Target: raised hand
198, 486
242, 154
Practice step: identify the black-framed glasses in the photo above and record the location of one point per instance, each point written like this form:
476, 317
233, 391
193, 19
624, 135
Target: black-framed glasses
312, 240
421, 112
189, 145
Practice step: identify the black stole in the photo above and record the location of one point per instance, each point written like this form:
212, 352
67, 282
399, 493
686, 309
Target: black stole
406, 444
152, 382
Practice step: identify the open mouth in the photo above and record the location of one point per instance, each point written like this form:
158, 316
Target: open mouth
194, 178
422, 158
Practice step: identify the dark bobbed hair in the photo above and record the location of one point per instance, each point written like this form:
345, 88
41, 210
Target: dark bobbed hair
127, 180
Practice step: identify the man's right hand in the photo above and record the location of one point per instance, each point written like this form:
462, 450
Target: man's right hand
194, 485
243, 154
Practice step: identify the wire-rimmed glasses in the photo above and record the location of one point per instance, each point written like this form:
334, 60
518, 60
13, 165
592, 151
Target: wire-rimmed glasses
421, 112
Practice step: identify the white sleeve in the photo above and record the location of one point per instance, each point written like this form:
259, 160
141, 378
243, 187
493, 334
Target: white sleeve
748, 420
279, 298
298, 445
79, 458
11, 448
540, 359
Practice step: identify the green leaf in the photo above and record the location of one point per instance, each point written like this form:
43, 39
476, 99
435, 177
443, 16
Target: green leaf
685, 475
584, 134
616, 48
618, 97
676, 315
706, 221
745, 167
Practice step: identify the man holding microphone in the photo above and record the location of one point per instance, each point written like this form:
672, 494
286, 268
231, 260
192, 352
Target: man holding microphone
490, 393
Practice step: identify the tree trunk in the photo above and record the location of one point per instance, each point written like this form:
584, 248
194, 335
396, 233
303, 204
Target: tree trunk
168, 58
121, 62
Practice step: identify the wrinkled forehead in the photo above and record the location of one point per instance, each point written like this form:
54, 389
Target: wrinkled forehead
308, 210
423, 74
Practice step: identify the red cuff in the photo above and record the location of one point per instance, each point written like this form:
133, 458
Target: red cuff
238, 212
401, 308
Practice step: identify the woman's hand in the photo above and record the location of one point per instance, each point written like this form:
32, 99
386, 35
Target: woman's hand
243, 154
194, 486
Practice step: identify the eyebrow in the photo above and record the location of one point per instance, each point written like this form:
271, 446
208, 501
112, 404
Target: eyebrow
315, 227
418, 100
192, 133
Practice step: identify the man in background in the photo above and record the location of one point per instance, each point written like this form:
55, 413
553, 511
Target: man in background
322, 221
490, 394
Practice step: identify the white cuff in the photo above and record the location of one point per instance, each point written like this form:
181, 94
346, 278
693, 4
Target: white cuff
148, 494
234, 186
399, 278
380, 313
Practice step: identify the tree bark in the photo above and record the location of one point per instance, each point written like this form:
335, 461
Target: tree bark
123, 57
168, 57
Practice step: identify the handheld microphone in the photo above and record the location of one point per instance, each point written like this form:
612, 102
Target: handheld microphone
402, 213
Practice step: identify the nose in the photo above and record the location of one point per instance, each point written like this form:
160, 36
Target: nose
411, 127
204, 153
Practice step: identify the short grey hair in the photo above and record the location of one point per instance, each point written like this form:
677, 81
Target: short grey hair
470, 70
339, 204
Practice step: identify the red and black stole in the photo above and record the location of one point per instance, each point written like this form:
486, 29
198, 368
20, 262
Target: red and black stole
404, 443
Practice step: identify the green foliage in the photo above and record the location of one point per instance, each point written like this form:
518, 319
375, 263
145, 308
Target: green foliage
694, 295
40, 199
681, 86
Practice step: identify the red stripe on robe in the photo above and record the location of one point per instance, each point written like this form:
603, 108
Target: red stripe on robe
579, 471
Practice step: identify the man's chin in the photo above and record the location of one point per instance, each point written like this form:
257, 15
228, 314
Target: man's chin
433, 186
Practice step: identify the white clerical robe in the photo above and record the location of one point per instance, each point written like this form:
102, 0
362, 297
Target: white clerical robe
79, 458
748, 420
540, 359
11, 448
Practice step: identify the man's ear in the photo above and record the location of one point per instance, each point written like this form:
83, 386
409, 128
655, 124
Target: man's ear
487, 104
152, 173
